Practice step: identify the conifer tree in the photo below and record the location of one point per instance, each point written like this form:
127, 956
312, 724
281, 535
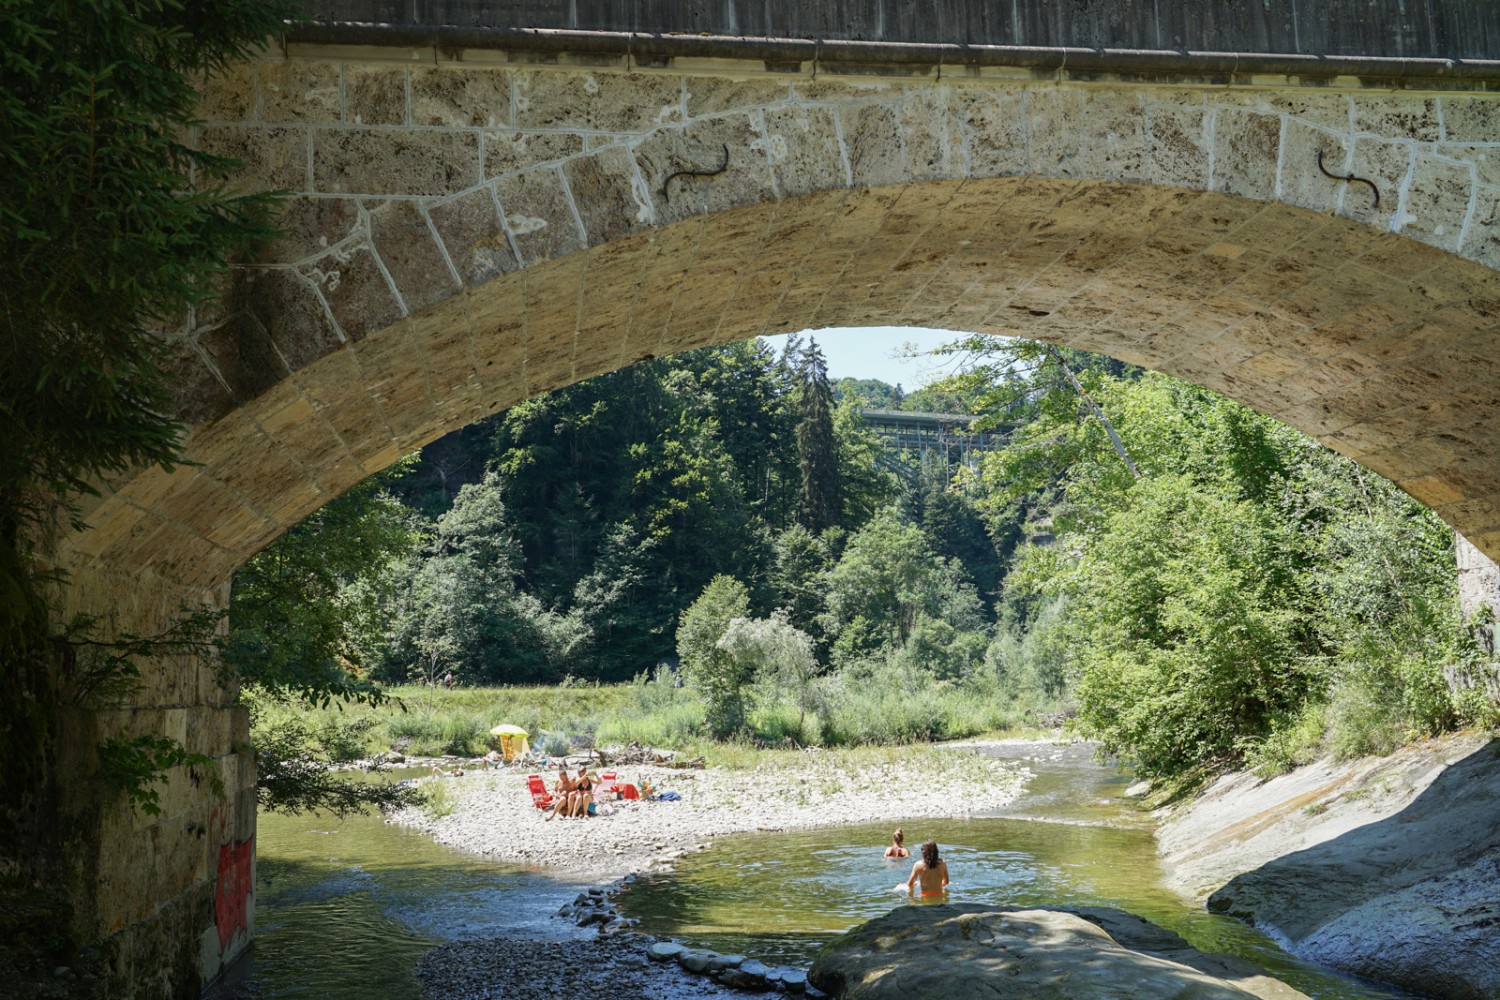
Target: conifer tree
822, 500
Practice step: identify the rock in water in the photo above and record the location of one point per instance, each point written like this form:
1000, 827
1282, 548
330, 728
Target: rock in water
963, 951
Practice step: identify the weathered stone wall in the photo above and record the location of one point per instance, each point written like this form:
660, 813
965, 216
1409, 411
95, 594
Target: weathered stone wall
170, 896
468, 229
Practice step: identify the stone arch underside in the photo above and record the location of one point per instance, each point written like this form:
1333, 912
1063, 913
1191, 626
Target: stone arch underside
1382, 347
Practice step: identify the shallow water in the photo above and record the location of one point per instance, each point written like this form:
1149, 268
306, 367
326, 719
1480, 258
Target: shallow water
1073, 840
347, 909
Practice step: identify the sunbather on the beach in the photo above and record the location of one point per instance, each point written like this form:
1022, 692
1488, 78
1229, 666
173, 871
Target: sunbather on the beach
930, 873
583, 794
562, 794
896, 850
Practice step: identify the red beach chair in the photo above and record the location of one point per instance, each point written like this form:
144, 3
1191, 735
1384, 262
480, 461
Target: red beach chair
608, 782
540, 797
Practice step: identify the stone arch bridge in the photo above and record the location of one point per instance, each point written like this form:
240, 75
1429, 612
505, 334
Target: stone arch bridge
1304, 218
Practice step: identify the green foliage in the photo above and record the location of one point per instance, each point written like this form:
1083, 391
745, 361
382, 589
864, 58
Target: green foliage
293, 761
890, 578
135, 765
720, 676
821, 497
111, 229
1248, 588
303, 610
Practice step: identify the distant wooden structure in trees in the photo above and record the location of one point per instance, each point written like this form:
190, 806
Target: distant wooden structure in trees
946, 437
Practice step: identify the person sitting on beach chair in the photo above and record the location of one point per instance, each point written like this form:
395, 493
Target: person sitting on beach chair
562, 794
583, 792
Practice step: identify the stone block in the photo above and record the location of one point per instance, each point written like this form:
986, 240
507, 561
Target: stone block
709, 95
990, 126
539, 215
1247, 148
243, 357
271, 158
1437, 202
596, 102
229, 95
412, 162
360, 299
198, 395
1113, 140
375, 95
802, 145
299, 92
933, 148
1384, 164
409, 249
293, 315
507, 151
309, 225
1327, 111
460, 96
731, 149
471, 232
1481, 239
607, 195
1408, 115
1311, 188
872, 142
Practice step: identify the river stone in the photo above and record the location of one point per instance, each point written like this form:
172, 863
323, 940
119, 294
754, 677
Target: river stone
755, 967
696, 961
720, 962
739, 979
664, 951
964, 951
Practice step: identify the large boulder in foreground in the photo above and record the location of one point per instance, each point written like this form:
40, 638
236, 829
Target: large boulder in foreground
967, 950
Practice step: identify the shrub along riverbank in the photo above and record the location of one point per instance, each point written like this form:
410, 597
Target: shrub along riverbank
433, 721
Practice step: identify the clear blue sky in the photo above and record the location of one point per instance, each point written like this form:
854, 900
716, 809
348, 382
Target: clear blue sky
875, 352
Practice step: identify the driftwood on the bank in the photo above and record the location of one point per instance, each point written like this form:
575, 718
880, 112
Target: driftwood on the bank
635, 753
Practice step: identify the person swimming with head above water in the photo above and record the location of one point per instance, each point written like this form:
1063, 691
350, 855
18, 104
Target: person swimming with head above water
896, 850
930, 873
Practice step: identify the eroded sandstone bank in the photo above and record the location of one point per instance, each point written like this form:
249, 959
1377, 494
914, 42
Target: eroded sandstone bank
1384, 867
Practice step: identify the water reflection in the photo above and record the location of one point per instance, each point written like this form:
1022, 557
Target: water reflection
347, 909
781, 897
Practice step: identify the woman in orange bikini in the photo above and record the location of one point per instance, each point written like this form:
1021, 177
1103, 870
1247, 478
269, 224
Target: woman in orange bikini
931, 873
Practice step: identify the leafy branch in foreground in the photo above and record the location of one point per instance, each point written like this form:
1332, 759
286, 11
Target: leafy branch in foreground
294, 763
136, 764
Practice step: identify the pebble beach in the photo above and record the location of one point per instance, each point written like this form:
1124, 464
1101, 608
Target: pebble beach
491, 814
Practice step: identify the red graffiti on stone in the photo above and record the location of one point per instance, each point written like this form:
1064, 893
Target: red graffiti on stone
236, 882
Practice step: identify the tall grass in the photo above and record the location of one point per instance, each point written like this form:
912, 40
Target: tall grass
877, 704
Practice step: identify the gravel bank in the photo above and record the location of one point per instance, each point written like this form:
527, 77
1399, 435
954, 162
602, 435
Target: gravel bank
492, 814
613, 967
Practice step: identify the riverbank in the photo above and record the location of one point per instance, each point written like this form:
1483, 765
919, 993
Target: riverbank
491, 814
1382, 867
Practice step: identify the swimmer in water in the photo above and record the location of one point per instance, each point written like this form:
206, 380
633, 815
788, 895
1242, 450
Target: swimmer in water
929, 876
896, 850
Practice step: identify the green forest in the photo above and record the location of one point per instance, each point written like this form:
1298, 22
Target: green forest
1189, 582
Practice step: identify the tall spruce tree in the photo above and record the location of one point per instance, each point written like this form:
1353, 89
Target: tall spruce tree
822, 498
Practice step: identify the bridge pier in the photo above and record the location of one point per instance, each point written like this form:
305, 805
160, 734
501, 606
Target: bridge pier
167, 898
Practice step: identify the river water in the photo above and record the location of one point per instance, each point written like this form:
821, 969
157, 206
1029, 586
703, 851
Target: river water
346, 909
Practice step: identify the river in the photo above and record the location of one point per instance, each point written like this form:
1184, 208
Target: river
346, 909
